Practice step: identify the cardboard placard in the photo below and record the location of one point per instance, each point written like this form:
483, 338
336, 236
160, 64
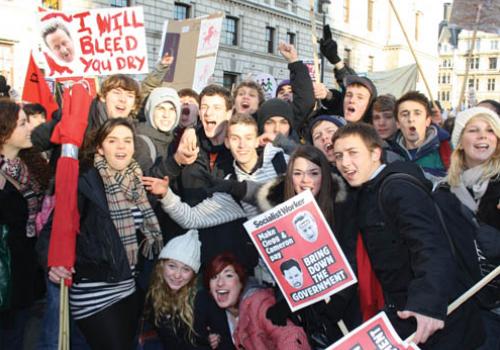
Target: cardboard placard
195, 41
267, 82
375, 334
300, 250
93, 42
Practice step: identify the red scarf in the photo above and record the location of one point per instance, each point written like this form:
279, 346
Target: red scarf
371, 298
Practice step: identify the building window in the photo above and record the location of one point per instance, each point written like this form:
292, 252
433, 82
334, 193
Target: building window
473, 63
494, 44
418, 17
229, 80
7, 62
347, 57
120, 3
493, 62
347, 10
491, 84
447, 95
230, 31
270, 39
370, 63
369, 23
181, 11
290, 38
476, 85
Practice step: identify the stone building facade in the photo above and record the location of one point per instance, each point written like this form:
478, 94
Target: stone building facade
367, 32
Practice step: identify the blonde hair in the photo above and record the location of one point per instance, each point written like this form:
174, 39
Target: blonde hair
457, 165
162, 301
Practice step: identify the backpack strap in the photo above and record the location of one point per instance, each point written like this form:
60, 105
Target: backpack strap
418, 184
151, 146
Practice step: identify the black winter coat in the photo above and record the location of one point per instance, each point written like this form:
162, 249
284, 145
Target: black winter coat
206, 314
320, 319
412, 260
25, 278
100, 255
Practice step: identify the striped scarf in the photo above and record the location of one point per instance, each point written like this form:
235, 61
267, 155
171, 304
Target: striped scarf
17, 173
124, 190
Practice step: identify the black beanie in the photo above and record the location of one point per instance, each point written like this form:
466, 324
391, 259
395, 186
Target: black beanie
274, 107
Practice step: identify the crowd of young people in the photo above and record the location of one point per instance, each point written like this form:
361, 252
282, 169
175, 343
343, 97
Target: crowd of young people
168, 177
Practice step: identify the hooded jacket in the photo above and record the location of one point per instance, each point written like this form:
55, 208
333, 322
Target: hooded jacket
148, 134
255, 332
429, 154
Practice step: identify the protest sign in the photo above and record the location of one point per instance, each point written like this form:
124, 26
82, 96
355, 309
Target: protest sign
375, 334
267, 82
311, 69
300, 250
196, 40
464, 15
93, 42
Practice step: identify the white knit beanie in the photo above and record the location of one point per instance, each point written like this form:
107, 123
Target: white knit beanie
463, 118
160, 95
184, 248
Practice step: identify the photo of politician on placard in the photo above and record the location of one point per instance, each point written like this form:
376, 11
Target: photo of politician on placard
301, 251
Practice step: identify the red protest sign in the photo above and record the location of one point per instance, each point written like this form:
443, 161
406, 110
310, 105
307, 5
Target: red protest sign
375, 334
300, 250
93, 42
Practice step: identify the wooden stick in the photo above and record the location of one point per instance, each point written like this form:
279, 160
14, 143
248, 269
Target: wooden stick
314, 40
468, 294
61, 314
414, 54
343, 327
469, 57
66, 319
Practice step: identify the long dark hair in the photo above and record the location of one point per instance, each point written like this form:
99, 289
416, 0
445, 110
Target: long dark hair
38, 167
325, 196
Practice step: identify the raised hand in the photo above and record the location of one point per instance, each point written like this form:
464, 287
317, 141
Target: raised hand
328, 46
288, 51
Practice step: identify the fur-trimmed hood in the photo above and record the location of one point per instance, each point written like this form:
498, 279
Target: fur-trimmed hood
272, 193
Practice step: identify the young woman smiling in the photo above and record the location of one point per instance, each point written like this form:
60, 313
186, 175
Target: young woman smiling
24, 175
246, 305
474, 177
171, 302
116, 220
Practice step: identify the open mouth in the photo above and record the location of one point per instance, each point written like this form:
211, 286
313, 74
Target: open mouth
222, 295
328, 147
186, 111
120, 156
482, 146
351, 110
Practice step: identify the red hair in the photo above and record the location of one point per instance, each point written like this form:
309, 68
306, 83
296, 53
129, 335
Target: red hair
219, 263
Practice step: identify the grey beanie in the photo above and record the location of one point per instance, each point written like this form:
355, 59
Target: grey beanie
160, 95
184, 248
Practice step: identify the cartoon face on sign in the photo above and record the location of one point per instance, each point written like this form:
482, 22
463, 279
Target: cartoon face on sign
306, 226
292, 272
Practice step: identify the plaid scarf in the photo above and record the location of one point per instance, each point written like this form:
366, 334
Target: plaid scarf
124, 190
16, 170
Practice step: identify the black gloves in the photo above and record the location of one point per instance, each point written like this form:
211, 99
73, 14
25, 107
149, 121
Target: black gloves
235, 188
279, 313
328, 46
215, 184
